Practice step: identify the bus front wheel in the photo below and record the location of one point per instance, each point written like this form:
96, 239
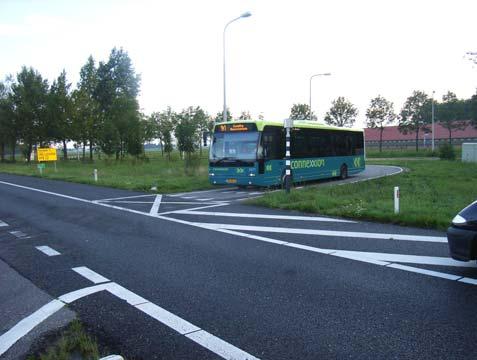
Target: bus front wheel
343, 172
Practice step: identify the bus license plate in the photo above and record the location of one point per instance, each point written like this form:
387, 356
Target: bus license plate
231, 181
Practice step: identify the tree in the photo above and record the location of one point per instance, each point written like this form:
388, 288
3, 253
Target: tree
451, 114
342, 113
116, 93
165, 123
245, 115
186, 132
60, 110
301, 112
30, 104
201, 119
220, 117
87, 114
415, 114
8, 131
473, 110
380, 113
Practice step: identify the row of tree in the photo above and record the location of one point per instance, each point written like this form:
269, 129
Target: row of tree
415, 116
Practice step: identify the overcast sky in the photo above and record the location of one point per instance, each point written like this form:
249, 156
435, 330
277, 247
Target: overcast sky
370, 47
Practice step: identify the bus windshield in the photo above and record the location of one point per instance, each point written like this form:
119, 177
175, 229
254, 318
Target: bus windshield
234, 146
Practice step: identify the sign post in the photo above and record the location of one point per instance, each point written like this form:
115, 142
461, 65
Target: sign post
287, 124
396, 200
45, 155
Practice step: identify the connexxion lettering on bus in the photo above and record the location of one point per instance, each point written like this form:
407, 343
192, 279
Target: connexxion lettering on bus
253, 152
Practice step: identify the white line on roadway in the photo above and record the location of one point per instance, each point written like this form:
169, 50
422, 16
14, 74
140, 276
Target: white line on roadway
155, 206
27, 324
2, 223
18, 234
198, 192
350, 234
207, 199
47, 250
261, 216
183, 327
126, 197
90, 274
362, 258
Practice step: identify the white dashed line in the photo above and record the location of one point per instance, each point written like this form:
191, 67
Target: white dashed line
2, 223
424, 272
90, 275
126, 197
219, 346
207, 199
18, 234
173, 321
47, 250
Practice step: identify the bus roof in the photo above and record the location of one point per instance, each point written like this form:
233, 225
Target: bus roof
296, 124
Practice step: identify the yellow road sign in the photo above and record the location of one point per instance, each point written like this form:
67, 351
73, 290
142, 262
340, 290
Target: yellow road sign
46, 154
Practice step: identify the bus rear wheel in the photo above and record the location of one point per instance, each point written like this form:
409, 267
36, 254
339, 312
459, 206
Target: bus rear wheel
343, 172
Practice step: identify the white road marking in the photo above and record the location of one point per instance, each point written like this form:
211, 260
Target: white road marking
196, 208
47, 250
351, 234
262, 216
18, 234
173, 321
90, 274
187, 197
126, 197
81, 293
468, 281
155, 207
416, 259
2, 223
131, 202
204, 226
425, 272
183, 327
374, 177
219, 346
198, 192
207, 199
256, 193
27, 324
126, 295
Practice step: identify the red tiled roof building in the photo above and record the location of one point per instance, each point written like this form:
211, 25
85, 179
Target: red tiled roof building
392, 138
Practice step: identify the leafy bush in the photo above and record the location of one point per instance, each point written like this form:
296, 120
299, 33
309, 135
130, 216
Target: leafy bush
446, 152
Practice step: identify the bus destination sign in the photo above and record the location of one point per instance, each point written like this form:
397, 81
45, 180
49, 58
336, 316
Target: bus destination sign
236, 127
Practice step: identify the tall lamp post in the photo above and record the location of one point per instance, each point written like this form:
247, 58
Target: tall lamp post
311, 78
433, 92
244, 15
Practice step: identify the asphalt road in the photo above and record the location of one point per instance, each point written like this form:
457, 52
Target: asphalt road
202, 276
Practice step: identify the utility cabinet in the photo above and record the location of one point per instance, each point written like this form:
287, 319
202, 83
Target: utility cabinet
469, 152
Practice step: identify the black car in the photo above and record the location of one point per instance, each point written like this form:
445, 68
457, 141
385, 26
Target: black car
462, 235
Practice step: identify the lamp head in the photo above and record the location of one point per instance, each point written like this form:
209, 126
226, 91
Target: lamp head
246, 14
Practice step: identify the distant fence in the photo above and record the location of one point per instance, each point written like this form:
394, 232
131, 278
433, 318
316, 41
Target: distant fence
409, 144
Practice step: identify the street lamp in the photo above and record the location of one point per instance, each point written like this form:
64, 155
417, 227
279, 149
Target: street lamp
324, 74
433, 92
244, 15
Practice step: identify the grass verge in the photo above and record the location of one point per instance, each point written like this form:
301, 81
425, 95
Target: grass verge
73, 343
167, 175
431, 193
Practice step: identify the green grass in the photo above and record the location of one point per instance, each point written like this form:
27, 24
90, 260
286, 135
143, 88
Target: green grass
408, 153
432, 192
73, 343
132, 174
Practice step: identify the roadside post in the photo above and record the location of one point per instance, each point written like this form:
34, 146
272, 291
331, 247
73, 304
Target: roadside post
396, 200
45, 155
287, 124
95, 174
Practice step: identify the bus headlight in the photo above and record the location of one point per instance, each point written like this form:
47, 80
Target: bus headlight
252, 174
211, 174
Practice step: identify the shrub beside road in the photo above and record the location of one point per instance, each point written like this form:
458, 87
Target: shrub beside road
432, 192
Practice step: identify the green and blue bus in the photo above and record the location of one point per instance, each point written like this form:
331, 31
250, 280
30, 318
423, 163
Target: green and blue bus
253, 152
